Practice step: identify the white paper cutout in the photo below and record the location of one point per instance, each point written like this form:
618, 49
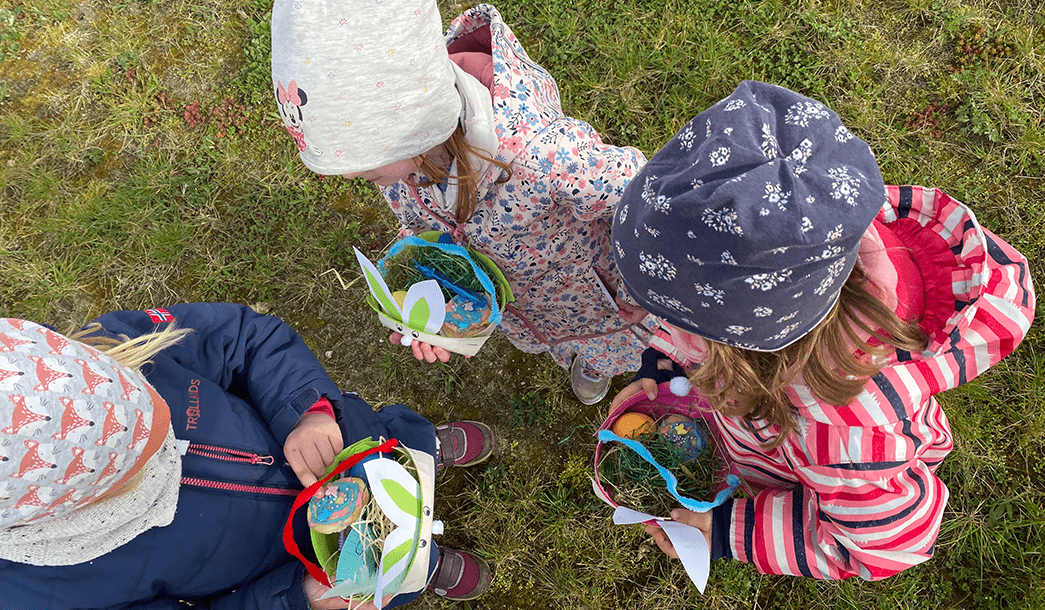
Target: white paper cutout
382, 472
377, 285
430, 318
689, 543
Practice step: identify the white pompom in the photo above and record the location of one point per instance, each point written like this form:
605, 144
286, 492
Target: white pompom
406, 340
680, 386
437, 527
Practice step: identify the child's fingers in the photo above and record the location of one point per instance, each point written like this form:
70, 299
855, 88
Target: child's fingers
301, 470
335, 443
701, 521
662, 541
628, 391
307, 462
649, 386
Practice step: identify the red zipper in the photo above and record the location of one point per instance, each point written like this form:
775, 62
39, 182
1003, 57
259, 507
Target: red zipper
234, 455
229, 455
272, 491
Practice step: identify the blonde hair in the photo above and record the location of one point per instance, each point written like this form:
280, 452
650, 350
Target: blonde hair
132, 353
753, 385
467, 178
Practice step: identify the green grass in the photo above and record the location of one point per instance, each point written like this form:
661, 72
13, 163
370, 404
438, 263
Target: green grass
142, 163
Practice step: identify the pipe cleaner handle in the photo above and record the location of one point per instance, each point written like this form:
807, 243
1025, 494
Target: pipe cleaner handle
732, 481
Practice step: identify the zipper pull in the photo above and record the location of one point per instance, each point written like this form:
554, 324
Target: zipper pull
266, 460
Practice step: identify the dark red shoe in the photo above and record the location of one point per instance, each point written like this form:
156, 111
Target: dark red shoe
460, 576
464, 443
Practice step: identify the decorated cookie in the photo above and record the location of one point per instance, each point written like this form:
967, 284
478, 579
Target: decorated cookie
337, 505
464, 318
685, 434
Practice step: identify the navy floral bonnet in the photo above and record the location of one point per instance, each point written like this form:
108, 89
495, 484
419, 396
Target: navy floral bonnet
744, 227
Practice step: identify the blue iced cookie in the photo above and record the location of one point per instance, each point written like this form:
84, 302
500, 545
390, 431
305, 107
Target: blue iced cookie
337, 505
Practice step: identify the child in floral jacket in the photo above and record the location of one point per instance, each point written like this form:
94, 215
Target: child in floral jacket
466, 135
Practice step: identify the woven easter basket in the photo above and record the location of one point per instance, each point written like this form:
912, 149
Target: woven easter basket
456, 266
356, 579
690, 407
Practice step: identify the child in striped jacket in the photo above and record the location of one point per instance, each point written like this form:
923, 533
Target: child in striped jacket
819, 312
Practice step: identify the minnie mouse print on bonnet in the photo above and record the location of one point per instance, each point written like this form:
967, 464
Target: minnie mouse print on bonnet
745, 226
362, 87
76, 425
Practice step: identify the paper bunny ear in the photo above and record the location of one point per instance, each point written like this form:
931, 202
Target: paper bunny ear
377, 286
399, 496
425, 307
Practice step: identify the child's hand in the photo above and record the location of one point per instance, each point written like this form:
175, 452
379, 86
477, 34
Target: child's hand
312, 446
632, 314
422, 350
645, 384
314, 591
701, 521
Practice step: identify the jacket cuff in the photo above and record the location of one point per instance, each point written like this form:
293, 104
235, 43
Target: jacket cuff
721, 518
296, 598
322, 406
733, 527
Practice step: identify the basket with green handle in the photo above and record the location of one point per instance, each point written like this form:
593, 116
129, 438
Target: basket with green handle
386, 550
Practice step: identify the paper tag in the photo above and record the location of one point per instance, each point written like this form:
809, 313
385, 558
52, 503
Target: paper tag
689, 543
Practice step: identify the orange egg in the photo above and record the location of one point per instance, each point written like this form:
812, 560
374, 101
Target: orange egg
633, 424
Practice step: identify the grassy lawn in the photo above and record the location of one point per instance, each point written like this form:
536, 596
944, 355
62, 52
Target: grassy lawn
142, 163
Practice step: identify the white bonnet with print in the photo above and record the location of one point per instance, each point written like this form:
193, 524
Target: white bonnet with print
361, 85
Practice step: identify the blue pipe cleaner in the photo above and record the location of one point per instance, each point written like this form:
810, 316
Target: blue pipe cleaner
450, 248
732, 481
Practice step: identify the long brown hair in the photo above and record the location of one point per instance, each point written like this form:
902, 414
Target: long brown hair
754, 385
467, 178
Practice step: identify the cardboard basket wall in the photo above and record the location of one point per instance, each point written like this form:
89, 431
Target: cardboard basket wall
421, 315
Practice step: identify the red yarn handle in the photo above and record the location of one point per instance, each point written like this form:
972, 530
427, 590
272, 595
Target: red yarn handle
288, 531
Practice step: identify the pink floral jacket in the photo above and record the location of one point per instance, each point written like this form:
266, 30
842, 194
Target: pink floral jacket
548, 227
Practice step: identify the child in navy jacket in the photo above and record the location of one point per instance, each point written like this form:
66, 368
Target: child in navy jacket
104, 504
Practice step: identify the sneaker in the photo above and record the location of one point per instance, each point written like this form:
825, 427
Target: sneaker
463, 443
588, 386
460, 576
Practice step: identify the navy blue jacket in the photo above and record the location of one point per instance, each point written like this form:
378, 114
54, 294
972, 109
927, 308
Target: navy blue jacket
241, 381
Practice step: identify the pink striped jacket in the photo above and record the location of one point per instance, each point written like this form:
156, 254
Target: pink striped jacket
853, 491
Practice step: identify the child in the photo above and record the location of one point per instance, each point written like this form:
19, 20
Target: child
818, 311
148, 489
466, 136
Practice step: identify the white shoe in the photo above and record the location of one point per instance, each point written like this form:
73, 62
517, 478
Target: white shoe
587, 388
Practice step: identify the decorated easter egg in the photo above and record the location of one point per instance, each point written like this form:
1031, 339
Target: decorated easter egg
399, 296
686, 434
633, 424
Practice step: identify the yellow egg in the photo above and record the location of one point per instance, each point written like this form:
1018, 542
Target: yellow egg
399, 296
633, 424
